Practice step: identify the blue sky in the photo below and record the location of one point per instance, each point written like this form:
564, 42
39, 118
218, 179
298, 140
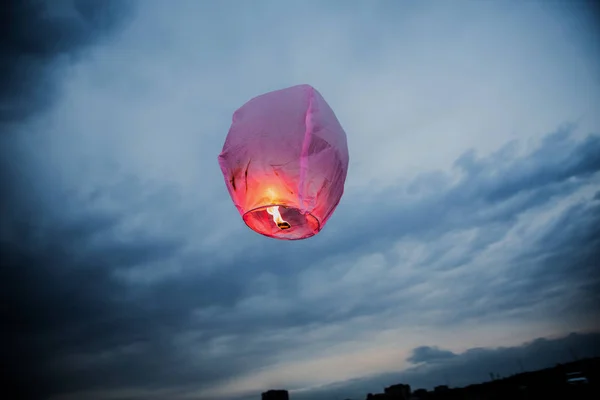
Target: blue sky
470, 218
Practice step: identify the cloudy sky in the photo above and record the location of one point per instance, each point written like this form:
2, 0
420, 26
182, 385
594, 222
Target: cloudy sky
469, 228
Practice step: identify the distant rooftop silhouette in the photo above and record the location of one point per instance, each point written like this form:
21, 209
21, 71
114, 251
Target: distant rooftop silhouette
576, 380
276, 395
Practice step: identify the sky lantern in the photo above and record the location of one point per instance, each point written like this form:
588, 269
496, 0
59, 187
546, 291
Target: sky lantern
285, 161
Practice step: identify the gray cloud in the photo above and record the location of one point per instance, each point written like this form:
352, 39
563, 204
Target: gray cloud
31, 58
427, 354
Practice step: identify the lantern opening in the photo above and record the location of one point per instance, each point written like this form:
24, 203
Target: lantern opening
274, 211
282, 222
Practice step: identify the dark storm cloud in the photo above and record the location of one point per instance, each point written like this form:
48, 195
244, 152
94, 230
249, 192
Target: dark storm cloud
75, 326
475, 364
557, 168
492, 194
48, 297
492, 190
72, 325
502, 186
37, 37
56, 303
562, 261
560, 163
471, 366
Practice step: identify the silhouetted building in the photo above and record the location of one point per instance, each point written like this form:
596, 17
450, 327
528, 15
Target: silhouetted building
276, 395
441, 388
397, 392
578, 380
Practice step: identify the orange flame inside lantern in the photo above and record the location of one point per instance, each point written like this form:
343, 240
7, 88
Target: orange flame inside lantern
274, 211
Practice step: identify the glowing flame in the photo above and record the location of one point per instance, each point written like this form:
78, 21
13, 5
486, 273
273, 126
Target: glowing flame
274, 211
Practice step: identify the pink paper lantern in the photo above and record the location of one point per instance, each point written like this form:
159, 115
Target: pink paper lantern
285, 161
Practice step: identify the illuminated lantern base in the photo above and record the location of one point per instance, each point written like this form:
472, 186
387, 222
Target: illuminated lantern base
299, 225
285, 161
